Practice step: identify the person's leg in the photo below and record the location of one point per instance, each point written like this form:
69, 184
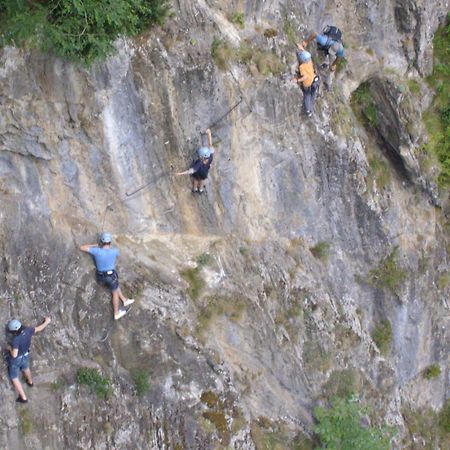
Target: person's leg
115, 301
307, 103
19, 389
201, 185
28, 377
325, 71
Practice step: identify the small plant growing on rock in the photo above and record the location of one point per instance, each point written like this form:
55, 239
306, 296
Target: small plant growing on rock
221, 53
204, 259
95, 381
321, 250
381, 172
270, 33
444, 417
141, 382
432, 371
339, 427
363, 105
387, 274
238, 18
382, 336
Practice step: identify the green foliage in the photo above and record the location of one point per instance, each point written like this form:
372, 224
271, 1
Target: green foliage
238, 18
387, 274
265, 61
380, 171
444, 280
196, 282
363, 105
95, 381
204, 259
437, 119
342, 383
25, 423
382, 336
321, 250
141, 382
290, 31
78, 30
339, 428
432, 371
444, 418
414, 86
428, 426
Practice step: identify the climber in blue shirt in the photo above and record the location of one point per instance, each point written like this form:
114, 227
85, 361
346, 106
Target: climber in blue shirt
330, 51
19, 358
105, 261
200, 168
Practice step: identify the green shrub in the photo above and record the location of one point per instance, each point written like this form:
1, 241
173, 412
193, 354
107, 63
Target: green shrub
78, 30
382, 336
432, 371
95, 381
141, 382
363, 105
380, 171
204, 259
437, 119
387, 274
238, 18
444, 417
339, 427
196, 282
321, 250
221, 53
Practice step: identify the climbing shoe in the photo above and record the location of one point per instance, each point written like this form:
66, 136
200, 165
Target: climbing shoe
200, 191
128, 302
121, 313
194, 191
21, 400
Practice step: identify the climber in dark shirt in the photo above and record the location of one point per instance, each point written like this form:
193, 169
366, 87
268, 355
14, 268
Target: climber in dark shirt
200, 169
19, 360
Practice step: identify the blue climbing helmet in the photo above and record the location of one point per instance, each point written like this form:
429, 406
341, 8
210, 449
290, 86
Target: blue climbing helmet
303, 56
204, 152
105, 238
14, 325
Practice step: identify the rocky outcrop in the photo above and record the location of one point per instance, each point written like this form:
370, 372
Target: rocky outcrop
254, 301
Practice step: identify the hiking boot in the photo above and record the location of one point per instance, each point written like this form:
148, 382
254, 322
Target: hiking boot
194, 190
121, 313
308, 113
128, 302
200, 191
21, 400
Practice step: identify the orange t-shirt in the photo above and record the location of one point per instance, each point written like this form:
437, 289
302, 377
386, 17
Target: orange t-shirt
307, 69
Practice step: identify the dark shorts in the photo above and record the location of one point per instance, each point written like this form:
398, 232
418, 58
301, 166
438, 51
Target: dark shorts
110, 280
17, 365
199, 176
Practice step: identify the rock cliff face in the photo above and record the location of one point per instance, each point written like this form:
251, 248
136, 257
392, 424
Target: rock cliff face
258, 300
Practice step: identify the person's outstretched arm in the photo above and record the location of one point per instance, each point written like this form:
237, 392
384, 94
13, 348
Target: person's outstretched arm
310, 38
40, 327
86, 247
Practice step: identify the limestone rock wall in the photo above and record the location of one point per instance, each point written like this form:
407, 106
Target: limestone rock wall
274, 328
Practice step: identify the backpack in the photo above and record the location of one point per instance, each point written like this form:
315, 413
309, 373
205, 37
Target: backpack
334, 34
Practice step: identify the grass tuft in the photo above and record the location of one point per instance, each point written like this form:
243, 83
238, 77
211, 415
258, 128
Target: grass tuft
432, 371
387, 274
321, 250
363, 105
95, 381
382, 336
141, 382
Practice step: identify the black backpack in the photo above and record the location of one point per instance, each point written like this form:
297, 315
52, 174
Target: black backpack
334, 34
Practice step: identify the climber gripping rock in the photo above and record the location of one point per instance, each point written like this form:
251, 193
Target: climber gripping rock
307, 79
330, 49
19, 356
105, 260
200, 168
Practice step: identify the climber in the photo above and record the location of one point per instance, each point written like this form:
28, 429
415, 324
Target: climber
105, 259
200, 168
19, 357
307, 79
330, 47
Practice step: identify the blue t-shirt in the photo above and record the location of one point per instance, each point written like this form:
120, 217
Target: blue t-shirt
23, 340
105, 258
202, 169
323, 39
